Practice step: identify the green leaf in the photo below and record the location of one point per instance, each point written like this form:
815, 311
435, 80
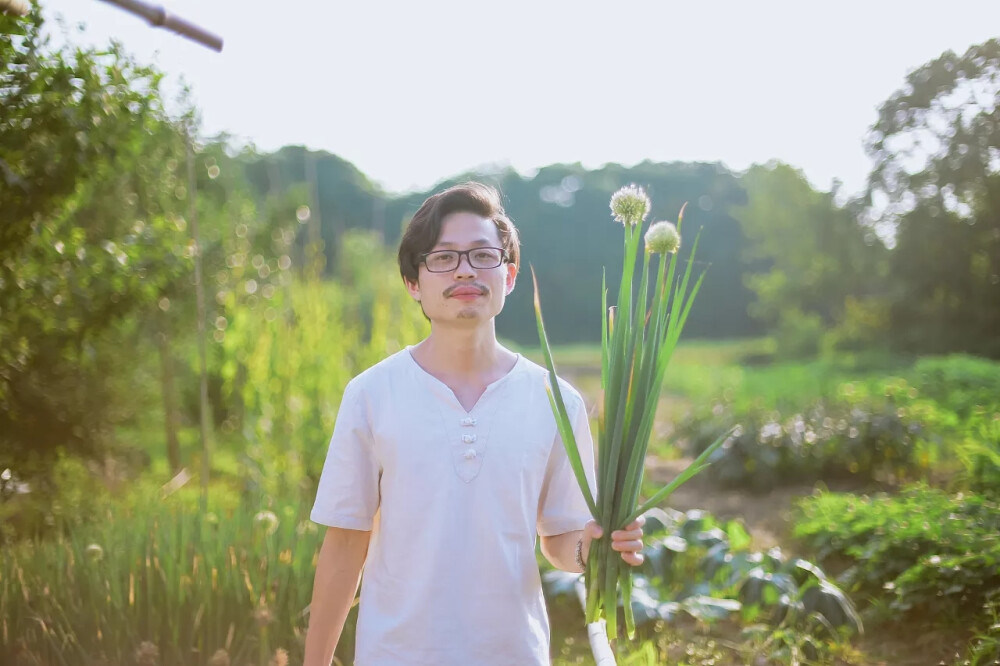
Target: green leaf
559, 408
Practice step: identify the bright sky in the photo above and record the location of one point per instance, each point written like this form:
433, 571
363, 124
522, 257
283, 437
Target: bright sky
415, 92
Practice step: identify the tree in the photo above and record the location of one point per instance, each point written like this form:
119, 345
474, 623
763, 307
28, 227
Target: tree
934, 184
91, 234
811, 265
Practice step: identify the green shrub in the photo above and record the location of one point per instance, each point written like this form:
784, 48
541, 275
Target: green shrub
960, 425
798, 333
960, 383
939, 420
934, 553
862, 326
863, 441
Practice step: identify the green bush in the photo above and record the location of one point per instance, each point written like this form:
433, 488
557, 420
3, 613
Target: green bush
935, 554
938, 419
798, 333
863, 441
957, 410
960, 383
862, 326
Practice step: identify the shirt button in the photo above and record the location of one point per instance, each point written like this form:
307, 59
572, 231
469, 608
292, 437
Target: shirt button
468, 439
470, 454
469, 422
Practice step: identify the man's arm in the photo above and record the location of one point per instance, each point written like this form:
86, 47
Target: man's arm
560, 549
338, 572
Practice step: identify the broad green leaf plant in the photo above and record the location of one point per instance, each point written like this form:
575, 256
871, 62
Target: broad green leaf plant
636, 346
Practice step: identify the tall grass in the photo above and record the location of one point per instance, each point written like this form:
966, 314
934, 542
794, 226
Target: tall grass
160, 573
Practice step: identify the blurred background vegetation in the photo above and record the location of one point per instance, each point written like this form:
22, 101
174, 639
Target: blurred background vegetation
854, 340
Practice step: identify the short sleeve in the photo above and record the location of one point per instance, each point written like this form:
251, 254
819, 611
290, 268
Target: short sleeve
562, 507
348, 493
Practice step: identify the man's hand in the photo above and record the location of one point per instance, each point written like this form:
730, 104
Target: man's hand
628, 541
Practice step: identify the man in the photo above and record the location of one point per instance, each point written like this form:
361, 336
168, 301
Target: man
452, 443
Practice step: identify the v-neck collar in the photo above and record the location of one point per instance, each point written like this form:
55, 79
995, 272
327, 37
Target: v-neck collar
420, 371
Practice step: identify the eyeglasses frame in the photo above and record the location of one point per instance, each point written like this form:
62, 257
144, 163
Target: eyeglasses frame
468, 258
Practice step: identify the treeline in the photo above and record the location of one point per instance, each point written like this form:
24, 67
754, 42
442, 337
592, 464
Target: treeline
97, 250
567, 233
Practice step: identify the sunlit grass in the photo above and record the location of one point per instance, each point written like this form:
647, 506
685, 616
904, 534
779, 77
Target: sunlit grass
745, 371
158, 571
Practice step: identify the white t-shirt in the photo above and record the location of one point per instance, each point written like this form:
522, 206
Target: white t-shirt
451, 577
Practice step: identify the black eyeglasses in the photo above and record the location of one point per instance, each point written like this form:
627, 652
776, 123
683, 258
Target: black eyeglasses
444, 261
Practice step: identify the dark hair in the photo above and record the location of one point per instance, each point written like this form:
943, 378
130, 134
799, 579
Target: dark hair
424, 229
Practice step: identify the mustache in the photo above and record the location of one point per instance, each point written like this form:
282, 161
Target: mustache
482, 288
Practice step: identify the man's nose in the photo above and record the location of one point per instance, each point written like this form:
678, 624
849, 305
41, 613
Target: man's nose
464, 266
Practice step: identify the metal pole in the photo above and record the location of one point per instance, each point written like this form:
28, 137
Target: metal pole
15, 7
159, 17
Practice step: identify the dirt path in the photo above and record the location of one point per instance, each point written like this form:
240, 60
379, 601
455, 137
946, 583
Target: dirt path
766, 515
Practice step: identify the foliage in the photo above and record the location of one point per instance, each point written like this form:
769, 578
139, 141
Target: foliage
157, 574
808, 261
62, 109
287, 357
984, 649
936, 419
343, 199
937, 177
90, 235
964, 384
936, 554
698, 569
745, 376
935, 137
864, 441
953, 402
25, 512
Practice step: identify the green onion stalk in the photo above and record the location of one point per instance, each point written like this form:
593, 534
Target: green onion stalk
638, 338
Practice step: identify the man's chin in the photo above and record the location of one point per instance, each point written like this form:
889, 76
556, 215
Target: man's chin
467, 314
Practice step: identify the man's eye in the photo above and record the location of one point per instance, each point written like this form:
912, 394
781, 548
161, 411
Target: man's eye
442, 259
486, 255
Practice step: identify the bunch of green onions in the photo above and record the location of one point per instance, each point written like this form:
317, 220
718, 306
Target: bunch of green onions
636, 346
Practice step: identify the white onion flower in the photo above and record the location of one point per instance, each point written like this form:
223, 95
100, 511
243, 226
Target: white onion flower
663, 238
630, 205
267, 520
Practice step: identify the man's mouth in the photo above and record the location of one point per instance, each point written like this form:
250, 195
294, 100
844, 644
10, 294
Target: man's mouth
466, 292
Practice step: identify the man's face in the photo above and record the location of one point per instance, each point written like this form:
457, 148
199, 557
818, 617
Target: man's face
465, 295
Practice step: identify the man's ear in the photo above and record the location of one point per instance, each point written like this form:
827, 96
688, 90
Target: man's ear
413, 288
511, 277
